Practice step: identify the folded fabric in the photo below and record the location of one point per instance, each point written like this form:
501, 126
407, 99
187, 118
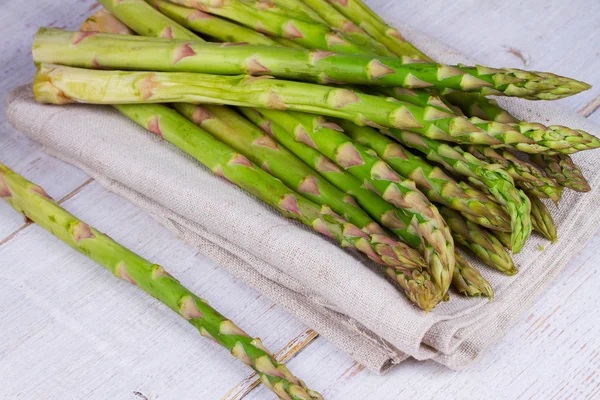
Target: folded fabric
340, 294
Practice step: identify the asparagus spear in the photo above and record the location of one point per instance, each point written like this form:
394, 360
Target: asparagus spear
475, 105
36, 205
541, 219
479, 241
489, 177
562, 168
420, 214
431, 180
243, 136
527, 175
299, 7
320, 66
468, 280
504, 238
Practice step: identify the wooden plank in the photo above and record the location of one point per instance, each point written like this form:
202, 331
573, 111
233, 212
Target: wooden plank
75, 329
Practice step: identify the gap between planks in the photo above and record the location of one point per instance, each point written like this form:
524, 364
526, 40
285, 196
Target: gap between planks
69, 195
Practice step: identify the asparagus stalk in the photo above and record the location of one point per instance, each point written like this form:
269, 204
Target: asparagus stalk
541, 219
562, 168
504, 238
431, 180
527, 175
36, 204
475, 105
479, 241
243, 136
421, 291
383, 212
489, 177
468, 280
299, 7
316, 65
420, 214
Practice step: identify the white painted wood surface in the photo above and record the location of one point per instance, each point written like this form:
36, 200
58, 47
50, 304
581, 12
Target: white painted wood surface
552, 352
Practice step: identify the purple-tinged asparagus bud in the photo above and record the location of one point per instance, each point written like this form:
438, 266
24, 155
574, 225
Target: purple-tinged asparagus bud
121, 273
82, 231
309, 185
227, 327
181, 52
239, 352
189, 309
154, 127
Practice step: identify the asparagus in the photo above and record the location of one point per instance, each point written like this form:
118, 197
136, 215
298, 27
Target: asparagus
475, 105
299, 7
293, 63
431, 180
31, 200
489, 177
383, 212
420, 214
220, 29
249, 14
527, 175
562, 168
504, 238
479, 241
541, 219
468, 280
243, 136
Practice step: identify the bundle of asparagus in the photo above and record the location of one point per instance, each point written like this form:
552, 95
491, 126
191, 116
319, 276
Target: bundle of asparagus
326, 100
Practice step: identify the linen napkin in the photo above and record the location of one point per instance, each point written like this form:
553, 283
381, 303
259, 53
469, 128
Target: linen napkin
338, 293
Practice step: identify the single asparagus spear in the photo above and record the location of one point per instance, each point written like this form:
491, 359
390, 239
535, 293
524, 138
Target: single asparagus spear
437, 243
475, 105
299, 7
249, 14
36, 204
242, 135
468, 280
489, 177
541, 219
562, 168
383, 212
479, 241
56, 46
527, 175
431, 180
66, 84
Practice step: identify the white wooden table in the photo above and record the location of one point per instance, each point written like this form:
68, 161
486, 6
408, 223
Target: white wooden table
552, 352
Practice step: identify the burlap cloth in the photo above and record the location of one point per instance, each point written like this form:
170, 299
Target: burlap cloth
335, 292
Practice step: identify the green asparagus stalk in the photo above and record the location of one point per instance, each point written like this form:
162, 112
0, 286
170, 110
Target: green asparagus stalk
243, 136
474, 105
383, 212
59, 83
36, 204
420, 214
431, 180
504, 238
249, 14
468, 280
316, 65
486, 176
220, 29
479, 241
541, 219
527, 175
562, 168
